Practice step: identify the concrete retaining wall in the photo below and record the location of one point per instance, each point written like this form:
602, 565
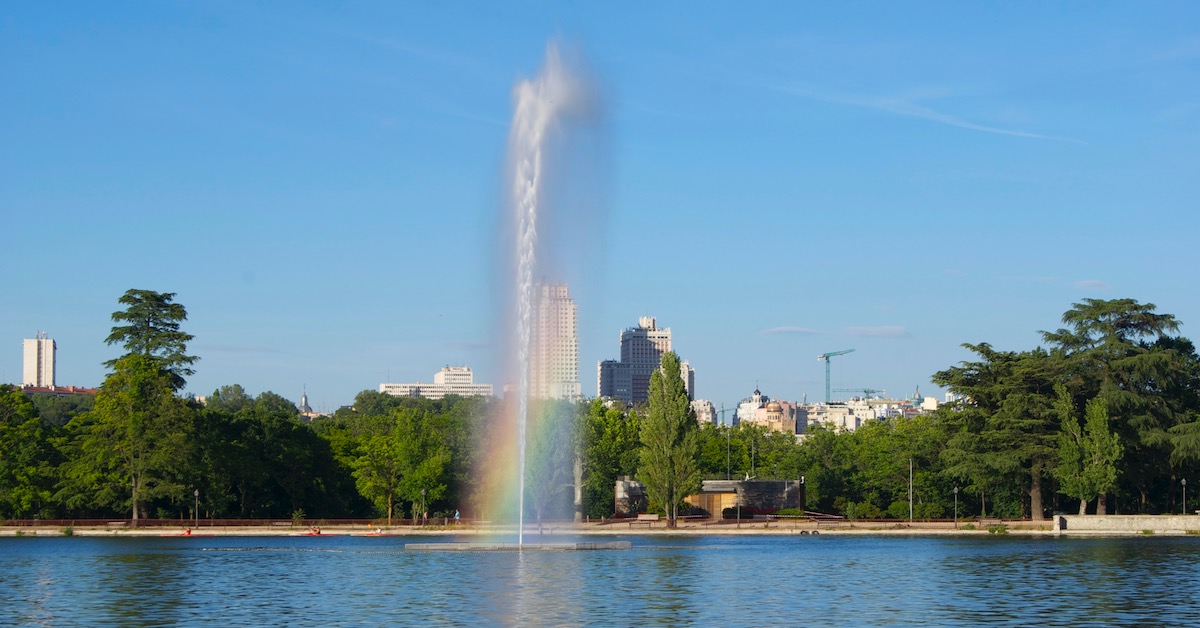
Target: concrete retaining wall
1125, 524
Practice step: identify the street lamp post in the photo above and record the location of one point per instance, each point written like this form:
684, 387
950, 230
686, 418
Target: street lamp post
1184, 482
910, 491
196, 512
728, 467
423, 511
956, 508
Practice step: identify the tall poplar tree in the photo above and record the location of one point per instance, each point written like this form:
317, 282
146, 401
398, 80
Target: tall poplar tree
670, 441
1088, 456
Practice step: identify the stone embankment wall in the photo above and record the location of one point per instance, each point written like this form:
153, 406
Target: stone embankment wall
1127, 524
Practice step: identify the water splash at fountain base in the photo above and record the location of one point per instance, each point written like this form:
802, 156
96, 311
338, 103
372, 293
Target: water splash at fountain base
518, 547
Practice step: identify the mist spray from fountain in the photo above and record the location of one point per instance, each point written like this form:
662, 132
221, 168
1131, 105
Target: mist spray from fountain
541, 107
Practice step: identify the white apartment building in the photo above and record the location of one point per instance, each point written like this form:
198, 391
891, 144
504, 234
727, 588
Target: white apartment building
705, 411
554, 345
851, 414
39, 361
451, 380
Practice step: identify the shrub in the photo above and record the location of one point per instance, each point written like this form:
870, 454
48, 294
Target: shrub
898, 510
732, 513
929, 510
68, 531
298, 517
863, 510
998, 528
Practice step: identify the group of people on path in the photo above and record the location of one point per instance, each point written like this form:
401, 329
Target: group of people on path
424, 518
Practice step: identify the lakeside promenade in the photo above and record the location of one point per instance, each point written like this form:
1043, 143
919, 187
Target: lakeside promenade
1060, 525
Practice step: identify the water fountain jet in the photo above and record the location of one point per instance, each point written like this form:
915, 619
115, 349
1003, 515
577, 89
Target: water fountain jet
542, 104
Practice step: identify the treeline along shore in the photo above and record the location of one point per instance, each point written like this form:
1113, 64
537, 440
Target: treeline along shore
1104, 417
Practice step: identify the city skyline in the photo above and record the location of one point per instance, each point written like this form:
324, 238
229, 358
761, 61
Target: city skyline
321, 187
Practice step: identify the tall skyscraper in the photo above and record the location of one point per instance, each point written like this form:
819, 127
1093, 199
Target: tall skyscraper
554, 346
642, 348
39, 361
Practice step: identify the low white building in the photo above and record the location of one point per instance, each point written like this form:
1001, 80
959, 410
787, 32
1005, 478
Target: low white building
851, 415
705, 411
451, 380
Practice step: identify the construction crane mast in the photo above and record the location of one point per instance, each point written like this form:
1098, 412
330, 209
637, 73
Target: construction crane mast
825, 357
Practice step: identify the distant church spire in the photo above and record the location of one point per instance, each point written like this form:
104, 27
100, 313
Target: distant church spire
304, 409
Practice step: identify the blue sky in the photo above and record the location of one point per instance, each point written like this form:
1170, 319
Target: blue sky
321, 183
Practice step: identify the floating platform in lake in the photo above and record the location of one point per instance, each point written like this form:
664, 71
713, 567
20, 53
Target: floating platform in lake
514, 547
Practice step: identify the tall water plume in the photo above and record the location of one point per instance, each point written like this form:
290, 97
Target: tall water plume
544, 107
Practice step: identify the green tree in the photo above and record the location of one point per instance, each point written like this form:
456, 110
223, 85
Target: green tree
1185, 441
825, 458
610, 450
57, 410
26, 458
149, 326
883, 452
425, 461
459, 425
378, 472
132, 447
670, 441
1005, 429
398, 465
1122, 352
230, 399
1088, 456
549, 457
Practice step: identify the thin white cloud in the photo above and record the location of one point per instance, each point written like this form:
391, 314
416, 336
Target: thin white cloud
908, 108
791, 329
1092, 284
255, 349
882, 331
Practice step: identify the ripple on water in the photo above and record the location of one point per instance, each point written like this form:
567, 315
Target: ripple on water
729, 581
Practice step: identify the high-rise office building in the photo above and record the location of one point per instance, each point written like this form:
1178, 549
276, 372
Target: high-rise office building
39, 361
554, 345
642, 348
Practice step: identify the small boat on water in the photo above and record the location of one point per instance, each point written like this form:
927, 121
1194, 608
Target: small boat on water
316, 532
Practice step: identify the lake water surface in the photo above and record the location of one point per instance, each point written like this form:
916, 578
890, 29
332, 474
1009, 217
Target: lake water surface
825, 580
